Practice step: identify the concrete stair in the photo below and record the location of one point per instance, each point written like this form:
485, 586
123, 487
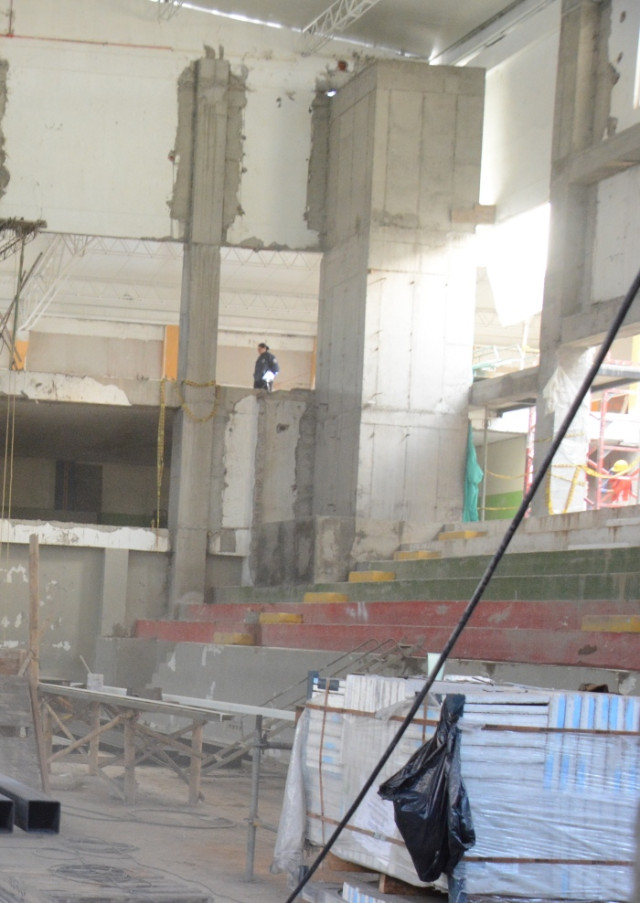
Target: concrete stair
571, 608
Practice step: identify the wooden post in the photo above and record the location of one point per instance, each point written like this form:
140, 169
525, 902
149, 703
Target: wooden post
255, 789
129, 762
94, 743
34, 611
34, 657
197, 733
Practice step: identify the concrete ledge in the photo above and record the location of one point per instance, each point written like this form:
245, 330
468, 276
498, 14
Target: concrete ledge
56, 533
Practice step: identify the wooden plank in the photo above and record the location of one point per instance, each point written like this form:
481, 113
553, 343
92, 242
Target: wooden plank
196, 763
479, 214
129, 763
389, 885
34, 653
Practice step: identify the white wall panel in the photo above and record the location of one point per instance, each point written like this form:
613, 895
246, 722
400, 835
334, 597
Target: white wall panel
92, 113
88, 132
239, 463
617, 238
277, 126
516, 153
624, 58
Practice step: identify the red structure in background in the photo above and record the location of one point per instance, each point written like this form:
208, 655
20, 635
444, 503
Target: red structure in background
614, 467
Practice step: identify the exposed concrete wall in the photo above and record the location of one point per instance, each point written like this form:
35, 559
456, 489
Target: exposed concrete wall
78, 599
283, 532
586, 156
219, 85
397, 294
127, 491
516, 151
4, 172
622, 58
136, 355
95, 154
616, 238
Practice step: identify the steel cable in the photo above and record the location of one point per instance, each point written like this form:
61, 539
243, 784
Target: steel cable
484, 580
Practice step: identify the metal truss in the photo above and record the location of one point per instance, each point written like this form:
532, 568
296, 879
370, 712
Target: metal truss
168, 8
123, 302
50, 273
335, 20
242, 303
135, 247
132, 295
271, 258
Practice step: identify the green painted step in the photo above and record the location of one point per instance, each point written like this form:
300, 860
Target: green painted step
545, 586
591, 561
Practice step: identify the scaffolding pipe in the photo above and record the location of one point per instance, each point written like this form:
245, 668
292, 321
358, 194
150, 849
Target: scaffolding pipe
255, 789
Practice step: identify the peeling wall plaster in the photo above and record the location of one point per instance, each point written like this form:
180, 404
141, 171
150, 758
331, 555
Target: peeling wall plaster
226, 96
4, 172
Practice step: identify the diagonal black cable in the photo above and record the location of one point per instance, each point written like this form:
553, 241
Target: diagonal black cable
486, 577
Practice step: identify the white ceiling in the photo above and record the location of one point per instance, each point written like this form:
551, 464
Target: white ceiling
417, 28
139, 281
271, 291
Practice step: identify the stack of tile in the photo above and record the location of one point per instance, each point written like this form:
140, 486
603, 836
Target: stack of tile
553, 779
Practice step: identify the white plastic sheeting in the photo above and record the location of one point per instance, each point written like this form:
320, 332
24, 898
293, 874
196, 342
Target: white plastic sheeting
553, 780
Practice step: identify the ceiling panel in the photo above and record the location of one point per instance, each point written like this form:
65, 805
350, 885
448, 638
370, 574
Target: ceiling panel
413, 27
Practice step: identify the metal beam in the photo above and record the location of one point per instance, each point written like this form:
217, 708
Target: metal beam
34, 811
7, 813
335, 19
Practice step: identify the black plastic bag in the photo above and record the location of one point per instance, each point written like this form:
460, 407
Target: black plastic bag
430, 802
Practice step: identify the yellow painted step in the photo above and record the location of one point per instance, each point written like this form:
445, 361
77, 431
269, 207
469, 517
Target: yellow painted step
418, 555
234, 639
611, 623
325, 597
371, 576
279, 617
460, 534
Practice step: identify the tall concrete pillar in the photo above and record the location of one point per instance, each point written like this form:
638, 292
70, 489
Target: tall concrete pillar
397, 294
208, 151
580, 120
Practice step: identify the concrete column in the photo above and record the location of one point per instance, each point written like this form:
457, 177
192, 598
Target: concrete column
113, 615
397, 294
580, 119
208, 149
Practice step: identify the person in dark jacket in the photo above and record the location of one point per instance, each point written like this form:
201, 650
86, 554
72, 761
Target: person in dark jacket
266, 368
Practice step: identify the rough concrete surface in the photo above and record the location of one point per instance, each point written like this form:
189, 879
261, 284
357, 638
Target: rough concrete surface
157, 850
4, 172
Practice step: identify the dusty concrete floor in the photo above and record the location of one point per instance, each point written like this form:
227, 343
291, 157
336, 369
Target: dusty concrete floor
157, 850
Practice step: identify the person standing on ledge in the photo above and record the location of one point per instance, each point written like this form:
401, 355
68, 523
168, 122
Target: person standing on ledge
266, 368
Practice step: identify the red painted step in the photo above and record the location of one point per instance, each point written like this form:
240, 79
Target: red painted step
489, 613
540, 632
550, 647
176, 631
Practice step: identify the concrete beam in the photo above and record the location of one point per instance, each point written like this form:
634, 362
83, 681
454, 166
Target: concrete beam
60, 387
517, 389
590, 326
609, 158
